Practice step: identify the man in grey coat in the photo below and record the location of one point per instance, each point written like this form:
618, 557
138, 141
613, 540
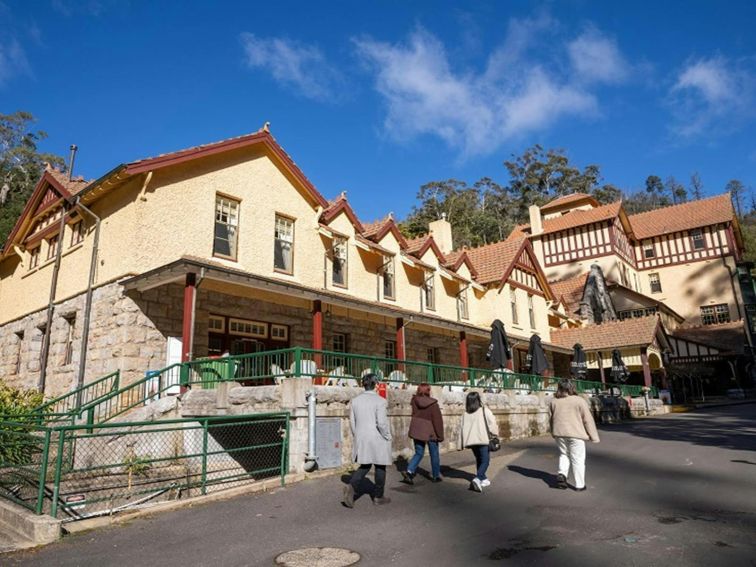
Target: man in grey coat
371, 440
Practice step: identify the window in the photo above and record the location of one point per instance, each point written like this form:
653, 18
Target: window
513, 303
77, 233
429, 290
279, 332
339, 343
531, 312
34, 257
655, 283
649, 251
713, 314
52, 247
216, 324
697, 238
464, 312
20, 343
248, 328
340, 262
389, 349
283, 253
388, 277
70, 331
226, 227
433, 355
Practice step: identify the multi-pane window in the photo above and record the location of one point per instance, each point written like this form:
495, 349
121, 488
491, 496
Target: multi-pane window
630, 313
429, 290
388, 277
70, 330
389, 349
713, 314
697, 238
20, 344
283, 252
77, 233
226, 227
513, 303
52, 247
34, 257
279, 332
216, 324
654, 282
339, 343
464, 312
531, 312
247, 328
339, 270
649, 251
433, 355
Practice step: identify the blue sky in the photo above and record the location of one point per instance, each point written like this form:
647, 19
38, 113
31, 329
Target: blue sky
378, 98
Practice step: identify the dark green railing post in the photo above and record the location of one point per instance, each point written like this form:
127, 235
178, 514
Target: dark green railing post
90, 419
297, 362
230, 364
429, 374
204, 455
43, 473
285, 453
58, 469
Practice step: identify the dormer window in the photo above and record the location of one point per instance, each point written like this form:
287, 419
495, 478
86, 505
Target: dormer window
339, 263
649, 251
429, 292
388, 278
34, 257
464, 312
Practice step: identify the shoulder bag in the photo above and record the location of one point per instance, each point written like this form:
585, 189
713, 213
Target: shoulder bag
494, 443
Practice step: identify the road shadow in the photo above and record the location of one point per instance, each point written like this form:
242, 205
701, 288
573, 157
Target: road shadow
547, 478
742, 461
365, 488
451, 472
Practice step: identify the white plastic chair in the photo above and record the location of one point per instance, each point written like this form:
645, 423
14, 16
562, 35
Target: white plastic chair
338, 377
307, 368
278, 373
367, 371
397, 379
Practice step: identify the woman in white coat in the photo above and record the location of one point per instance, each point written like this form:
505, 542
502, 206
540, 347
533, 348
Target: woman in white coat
477, 422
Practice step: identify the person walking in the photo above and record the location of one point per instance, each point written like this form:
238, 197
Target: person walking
478, 424
571, 426
371, 441
426, 428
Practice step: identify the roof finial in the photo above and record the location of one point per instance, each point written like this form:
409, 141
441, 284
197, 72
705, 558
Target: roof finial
443, 216
266, 127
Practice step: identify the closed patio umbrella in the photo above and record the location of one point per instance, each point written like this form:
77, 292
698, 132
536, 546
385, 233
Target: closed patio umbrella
537, 357
578, 366
619, 372
498, 349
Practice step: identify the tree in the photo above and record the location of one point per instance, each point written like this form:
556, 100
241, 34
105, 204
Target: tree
21, 165
676, 190
696, 185
737, 193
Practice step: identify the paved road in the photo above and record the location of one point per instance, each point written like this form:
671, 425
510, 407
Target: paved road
676, 490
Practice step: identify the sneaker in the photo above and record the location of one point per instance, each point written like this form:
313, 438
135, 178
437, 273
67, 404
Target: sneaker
476, 485
580, 489
561, 483
381, 501
484, 483
407, 477
437, 479
348, 499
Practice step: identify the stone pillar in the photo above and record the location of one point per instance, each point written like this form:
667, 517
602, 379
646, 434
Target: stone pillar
646, 367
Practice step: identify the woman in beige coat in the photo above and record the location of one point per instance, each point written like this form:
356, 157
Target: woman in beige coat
477, 422
571, 426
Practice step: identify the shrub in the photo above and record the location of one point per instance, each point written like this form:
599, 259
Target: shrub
18, 444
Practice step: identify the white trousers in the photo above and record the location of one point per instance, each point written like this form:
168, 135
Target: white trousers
572, 457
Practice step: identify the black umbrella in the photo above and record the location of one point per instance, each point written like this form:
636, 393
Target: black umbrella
537, 357
619, 372
578, 366
498, 349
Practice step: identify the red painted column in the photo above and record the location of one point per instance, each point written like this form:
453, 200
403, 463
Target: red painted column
601, 367
464, 360
187, 322
400, 352
317, 330
646, 367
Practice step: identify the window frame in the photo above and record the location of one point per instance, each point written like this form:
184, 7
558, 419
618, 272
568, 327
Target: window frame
531, 311
276, 238
389, 268
251, 333
279, 332
219, 198
651, 247
697, 232
464, 307
77, 233
34, 255
70, 336
340, 243
513, 305
715, 314
52, 246
654, 282
429, 292
19, 352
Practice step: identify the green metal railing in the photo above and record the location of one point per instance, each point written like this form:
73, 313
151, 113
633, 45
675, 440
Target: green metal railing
62, 408
89, 470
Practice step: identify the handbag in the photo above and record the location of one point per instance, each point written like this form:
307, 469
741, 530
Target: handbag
494, 443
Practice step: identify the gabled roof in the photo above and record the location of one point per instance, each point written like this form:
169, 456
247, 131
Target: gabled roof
685, 216
455, 259
420, 245
336, 207
639, 331
375, 231
573, 219
660, 304
727, 337
570, 291
568, 199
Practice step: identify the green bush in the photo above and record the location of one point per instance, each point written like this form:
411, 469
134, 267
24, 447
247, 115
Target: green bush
18, 402
18, 443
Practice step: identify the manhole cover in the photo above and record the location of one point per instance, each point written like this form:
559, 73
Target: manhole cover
318, 557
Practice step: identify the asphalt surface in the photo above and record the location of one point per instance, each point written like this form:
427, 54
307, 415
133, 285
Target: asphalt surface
674, 490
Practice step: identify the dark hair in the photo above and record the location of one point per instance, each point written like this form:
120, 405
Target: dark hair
423, 390
473, 402
565, 388
369, 381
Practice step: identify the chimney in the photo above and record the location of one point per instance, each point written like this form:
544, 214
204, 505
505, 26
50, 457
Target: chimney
536, 223
71, 161
441, 231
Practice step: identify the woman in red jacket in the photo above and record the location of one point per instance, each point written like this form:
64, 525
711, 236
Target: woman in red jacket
426, 427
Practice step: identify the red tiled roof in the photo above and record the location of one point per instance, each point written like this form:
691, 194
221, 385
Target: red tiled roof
638, 331
337, 206
566, 199
570, 290
370, 229
575, 218
685, 216
73, 185
492, 260
416, 244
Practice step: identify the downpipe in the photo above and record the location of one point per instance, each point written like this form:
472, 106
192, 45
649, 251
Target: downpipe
311, 460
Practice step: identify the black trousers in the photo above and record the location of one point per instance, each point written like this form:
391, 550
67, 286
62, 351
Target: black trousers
380, 478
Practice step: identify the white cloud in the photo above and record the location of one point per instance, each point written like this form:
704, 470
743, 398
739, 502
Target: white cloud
476, 112
292, 64
12, 61
596, 57
710, 95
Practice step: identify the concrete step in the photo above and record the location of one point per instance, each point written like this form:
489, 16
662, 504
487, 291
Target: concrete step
11, 540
